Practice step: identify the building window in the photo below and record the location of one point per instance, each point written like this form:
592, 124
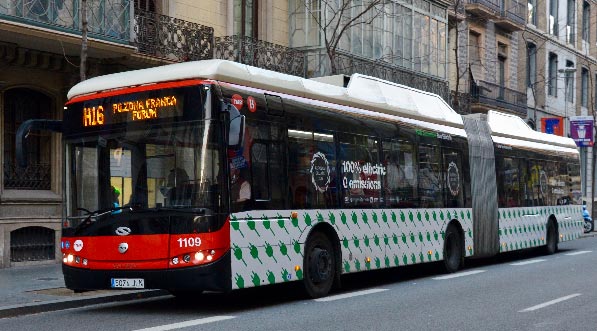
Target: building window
553, 17
552, 72
570, 16
569, 81
532, 12
502, 67
584, 97
146, 5
531, 64
586, 19
245, 18
21, 104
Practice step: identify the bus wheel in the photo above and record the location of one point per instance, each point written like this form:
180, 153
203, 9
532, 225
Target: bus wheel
552, 238
453, 250
319, 265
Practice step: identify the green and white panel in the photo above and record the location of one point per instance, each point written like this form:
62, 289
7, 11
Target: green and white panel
266, 246
526, 227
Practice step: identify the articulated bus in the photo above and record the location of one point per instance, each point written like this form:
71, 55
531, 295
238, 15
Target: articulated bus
218, 176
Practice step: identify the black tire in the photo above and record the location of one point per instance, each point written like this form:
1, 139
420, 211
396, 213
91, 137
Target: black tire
453, 250
319, 265
551, 244
588, 226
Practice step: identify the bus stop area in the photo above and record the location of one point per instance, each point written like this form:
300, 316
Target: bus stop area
40, 288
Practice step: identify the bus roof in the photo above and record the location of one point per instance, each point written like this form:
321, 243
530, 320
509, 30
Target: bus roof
362, 91
511, 126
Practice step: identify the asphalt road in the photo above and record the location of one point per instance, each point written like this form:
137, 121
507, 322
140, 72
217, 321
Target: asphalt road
517, 291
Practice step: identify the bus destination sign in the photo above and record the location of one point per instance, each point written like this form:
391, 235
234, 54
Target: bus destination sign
138, 109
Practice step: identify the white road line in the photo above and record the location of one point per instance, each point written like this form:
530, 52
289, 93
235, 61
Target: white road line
578, 253
528, 262
460, 274
350, 295
188, 323
549, 303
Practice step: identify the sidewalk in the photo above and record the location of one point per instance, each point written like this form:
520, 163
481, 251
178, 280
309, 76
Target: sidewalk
40, 288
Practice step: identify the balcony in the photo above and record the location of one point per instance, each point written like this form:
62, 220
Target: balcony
489, 9
260, 54
349, 64
38, 24
485, 96
509, 15
512, 18
172, 39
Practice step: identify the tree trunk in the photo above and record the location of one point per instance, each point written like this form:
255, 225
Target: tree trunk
83, 64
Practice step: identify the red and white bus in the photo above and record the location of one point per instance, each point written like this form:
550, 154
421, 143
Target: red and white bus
215, 175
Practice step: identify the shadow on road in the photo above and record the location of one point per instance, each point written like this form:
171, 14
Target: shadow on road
293, 293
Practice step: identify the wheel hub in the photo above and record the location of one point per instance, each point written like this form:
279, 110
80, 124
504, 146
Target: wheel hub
320, 265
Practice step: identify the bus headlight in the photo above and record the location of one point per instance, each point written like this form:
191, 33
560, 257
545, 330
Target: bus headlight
199, 256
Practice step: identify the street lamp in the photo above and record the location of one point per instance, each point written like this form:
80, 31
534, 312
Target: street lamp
566, 71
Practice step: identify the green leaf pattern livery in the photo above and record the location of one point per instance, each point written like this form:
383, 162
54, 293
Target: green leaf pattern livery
267, 245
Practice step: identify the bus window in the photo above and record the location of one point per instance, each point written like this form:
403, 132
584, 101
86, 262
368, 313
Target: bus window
574, 183
453, 178
400, 180
430, 186
312, 169
538, 182
509, 194
362, 171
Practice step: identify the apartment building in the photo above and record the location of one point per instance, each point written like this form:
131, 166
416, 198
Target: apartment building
559, 46
40, 50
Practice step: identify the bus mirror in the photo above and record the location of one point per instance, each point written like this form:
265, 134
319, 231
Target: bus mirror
236, 134
24, 130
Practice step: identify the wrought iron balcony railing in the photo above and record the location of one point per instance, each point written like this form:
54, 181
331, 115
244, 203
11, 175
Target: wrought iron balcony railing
515, 12
33, 177
349, 64
493, 5
171, 38
107, 19
260, 54
498, 96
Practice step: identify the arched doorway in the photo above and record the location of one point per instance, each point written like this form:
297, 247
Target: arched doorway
21, 104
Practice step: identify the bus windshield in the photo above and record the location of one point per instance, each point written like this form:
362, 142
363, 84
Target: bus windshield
159, 166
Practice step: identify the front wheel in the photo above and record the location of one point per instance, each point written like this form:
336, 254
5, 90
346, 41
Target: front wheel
319, 265
453, 250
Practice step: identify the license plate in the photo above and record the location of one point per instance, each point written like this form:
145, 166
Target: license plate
128, 283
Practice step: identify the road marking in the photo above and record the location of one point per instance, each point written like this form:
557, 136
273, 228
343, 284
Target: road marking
187, 323
350, 295
549, 303
578, 253
528, 262
460, 274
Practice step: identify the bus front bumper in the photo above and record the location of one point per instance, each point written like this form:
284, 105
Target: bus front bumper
212, 277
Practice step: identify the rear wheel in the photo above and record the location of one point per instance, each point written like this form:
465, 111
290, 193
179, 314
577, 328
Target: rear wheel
588, 226
319, 265
552, 238
453, 250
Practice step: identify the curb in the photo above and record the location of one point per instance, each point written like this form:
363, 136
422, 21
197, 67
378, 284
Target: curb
35, 308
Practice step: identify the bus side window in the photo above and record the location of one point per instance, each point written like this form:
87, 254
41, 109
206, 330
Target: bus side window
312, 169
266, 166
430, 174
400, 180
362, 171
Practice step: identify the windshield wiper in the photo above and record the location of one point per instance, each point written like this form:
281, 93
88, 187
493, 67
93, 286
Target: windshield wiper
101, 212
191, 210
